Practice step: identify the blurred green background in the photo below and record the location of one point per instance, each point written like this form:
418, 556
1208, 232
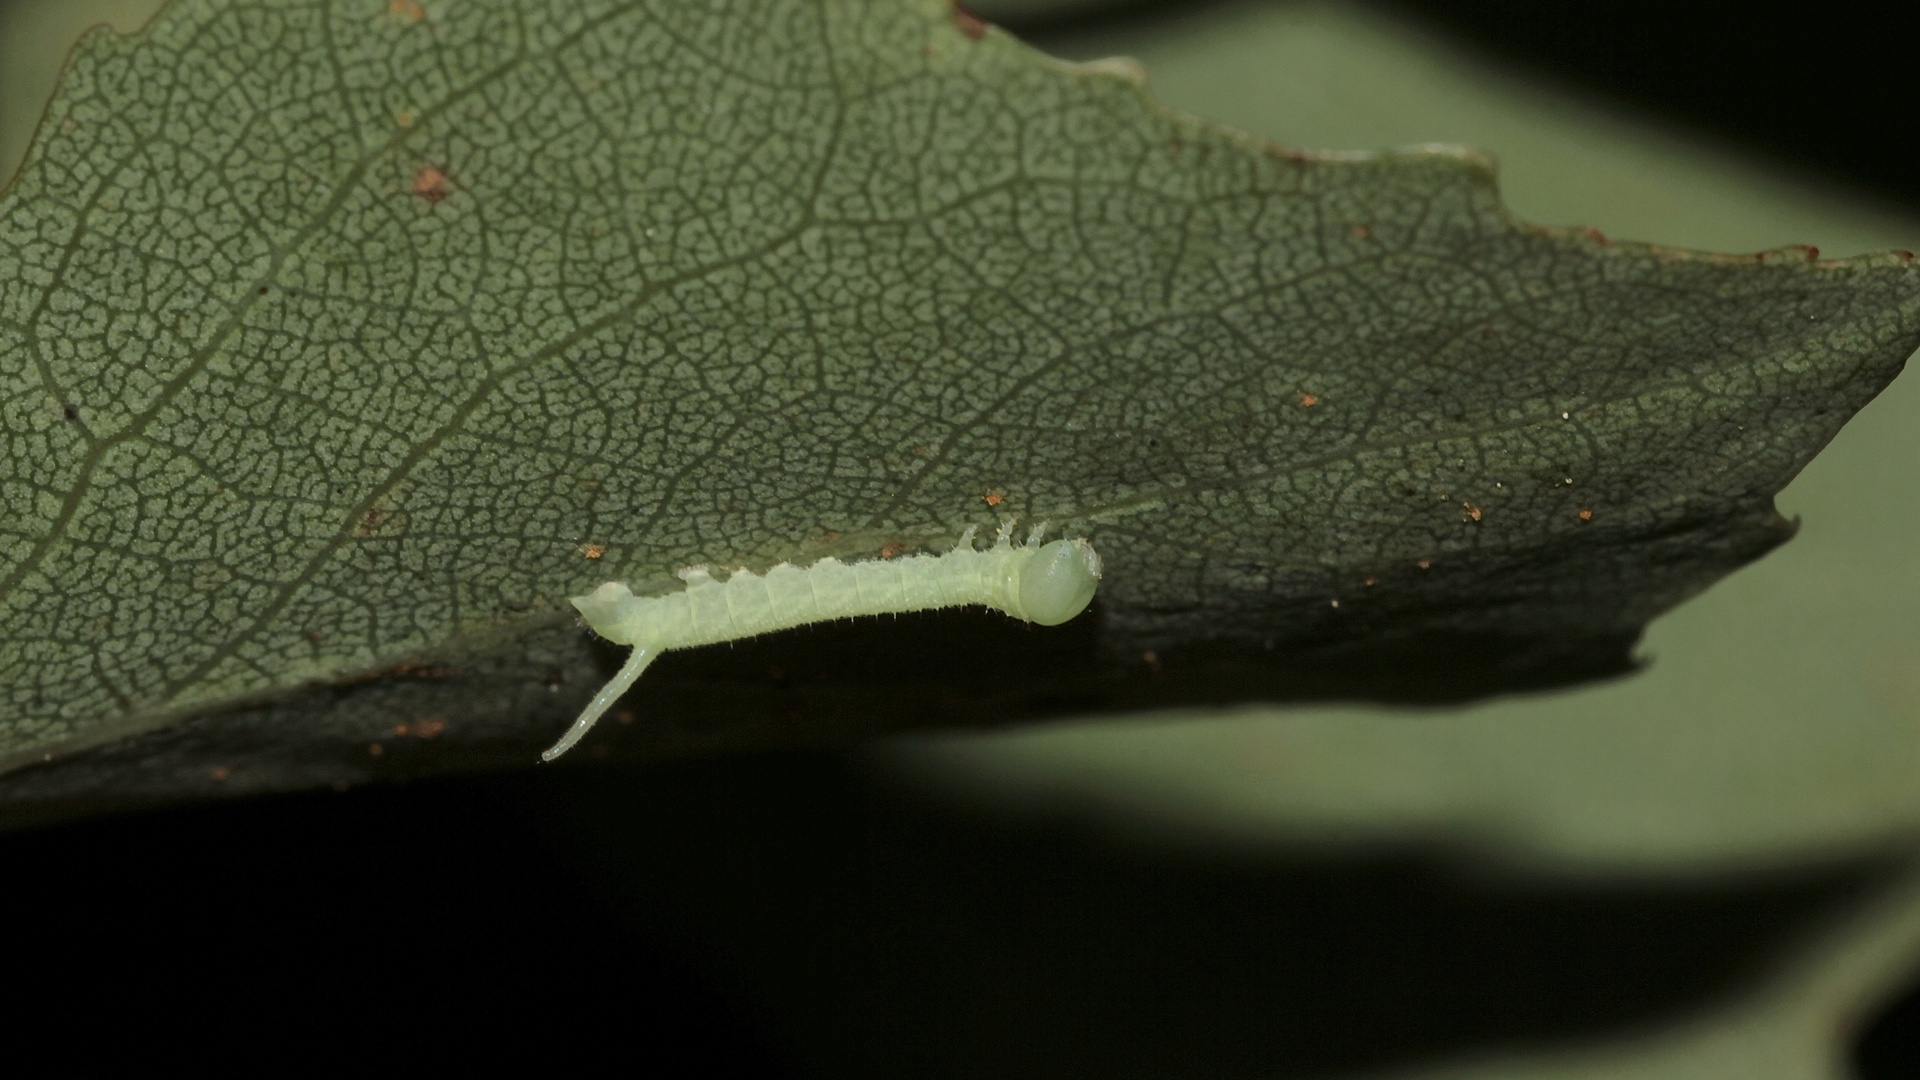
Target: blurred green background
1705, 869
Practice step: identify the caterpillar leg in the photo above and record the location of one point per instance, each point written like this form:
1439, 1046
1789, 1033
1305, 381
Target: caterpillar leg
621, 682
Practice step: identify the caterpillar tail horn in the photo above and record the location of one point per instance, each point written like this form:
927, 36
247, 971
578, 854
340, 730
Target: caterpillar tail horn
637, 662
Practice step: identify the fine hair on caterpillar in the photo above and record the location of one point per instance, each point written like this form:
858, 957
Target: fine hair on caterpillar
1044, 583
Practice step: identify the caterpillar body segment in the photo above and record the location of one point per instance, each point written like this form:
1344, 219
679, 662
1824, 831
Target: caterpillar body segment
1046, 583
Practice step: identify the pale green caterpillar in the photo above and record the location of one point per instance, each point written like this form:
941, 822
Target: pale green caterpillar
1040, 583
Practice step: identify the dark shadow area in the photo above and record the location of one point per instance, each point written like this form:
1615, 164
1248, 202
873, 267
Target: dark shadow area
1889, 1047
395, 926
897, 938
775, 916
728, 908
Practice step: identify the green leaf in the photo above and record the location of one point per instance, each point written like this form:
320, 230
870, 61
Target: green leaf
337, 340
35, 37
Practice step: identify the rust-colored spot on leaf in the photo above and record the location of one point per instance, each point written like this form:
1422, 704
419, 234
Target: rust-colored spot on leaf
1362, 232
994, 498
1424, 564
1371, 581
1586, 515
1308, 401
592, 551
379, 520
407, 11
220, 773
431, 184
970, 24
1469, 512
892, 549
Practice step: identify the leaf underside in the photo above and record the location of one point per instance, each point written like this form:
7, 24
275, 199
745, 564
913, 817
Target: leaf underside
342, 341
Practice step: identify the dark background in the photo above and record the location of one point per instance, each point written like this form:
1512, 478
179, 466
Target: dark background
798, 915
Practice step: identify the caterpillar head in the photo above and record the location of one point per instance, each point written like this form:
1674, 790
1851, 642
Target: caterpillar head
1057, 583
605, 608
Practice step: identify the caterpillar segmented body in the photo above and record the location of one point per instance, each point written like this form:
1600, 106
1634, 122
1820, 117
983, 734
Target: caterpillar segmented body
1039, 583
